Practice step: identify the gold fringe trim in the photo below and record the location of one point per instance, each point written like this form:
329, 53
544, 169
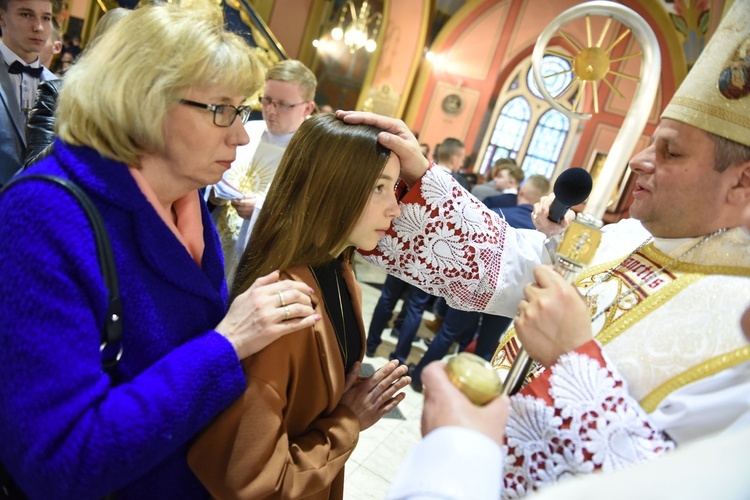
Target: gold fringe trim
698, 372
715, 111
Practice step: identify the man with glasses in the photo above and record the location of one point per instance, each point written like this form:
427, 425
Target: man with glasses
286, 101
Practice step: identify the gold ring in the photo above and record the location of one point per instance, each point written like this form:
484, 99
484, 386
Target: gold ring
281, 299
286, 312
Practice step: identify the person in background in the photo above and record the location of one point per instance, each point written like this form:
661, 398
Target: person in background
53, 47
291, 433
40, 129
27, 25
531, 192
425, 149
508, 179
392, 290
146, 118
66, 61
488, 188
286, 102
450, 158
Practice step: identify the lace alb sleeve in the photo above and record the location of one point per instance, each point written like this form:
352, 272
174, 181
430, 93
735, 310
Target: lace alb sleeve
576, 418
449, 244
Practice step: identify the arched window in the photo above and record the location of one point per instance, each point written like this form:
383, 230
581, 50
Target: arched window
527, 129
509, 132
546, 144
557, 76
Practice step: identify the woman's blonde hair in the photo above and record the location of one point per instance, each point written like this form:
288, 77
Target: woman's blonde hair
107, 22
116, 97
321, 188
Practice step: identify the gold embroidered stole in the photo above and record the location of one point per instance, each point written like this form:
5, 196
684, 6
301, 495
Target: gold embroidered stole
621, 293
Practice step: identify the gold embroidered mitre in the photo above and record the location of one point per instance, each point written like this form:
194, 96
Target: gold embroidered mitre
715, 96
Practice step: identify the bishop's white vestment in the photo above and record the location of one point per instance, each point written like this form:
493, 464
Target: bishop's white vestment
669, 364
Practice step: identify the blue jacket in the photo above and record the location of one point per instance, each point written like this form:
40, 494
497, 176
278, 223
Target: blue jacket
501, 200
518, 216
64, 431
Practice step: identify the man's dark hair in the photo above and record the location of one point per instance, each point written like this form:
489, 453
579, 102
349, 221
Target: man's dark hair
728, 152
448, 148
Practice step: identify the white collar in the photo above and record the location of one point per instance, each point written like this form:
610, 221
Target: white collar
668, 245
277, 140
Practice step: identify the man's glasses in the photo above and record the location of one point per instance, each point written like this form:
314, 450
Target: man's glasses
224, 114
281, 106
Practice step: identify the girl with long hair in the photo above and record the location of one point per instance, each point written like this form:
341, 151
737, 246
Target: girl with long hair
305, 404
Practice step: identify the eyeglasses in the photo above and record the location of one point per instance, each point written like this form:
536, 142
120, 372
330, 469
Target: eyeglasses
224, 114
281, 106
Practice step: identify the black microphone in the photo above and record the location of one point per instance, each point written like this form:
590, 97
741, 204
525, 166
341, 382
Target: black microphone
571, 188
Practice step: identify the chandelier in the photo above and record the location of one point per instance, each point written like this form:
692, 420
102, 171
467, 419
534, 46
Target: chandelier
361, 30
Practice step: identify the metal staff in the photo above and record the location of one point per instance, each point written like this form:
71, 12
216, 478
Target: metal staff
591, 64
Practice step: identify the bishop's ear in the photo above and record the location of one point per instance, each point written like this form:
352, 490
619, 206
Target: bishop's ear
740, 193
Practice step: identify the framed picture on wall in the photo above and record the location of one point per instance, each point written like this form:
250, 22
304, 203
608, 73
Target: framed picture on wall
452, 104
616, 201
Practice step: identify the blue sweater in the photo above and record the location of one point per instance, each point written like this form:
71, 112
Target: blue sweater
64, 431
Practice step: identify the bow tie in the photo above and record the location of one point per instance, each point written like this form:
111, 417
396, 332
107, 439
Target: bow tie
17, 68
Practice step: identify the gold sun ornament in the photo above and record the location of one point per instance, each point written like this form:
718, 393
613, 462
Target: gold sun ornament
594, 59
592, 64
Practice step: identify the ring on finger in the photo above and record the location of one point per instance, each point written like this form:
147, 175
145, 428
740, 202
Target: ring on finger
286, 313
281, 299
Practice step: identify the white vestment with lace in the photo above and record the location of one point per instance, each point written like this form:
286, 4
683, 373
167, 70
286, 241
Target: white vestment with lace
679, 354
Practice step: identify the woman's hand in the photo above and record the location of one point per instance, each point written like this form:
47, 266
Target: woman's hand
553, 319
445, 405
540, 217
397, 137
268, 310
245, 206
373, 397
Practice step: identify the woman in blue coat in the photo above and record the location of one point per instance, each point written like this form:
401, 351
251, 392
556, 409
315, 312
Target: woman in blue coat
147, 117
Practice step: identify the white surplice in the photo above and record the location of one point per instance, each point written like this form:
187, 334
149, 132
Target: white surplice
679, 354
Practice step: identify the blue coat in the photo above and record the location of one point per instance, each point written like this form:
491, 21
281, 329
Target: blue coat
501, 200
12, 129
518, 216
64, 431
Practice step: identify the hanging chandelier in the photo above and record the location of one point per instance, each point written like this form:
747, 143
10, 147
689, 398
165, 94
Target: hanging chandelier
361, 30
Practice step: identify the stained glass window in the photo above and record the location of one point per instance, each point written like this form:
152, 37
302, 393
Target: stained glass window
546, 144
522, 115
509, 132
557, 75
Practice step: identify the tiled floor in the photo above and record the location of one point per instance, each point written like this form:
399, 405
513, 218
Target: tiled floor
382, 447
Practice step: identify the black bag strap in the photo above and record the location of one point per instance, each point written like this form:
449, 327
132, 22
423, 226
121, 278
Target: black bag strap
111, 337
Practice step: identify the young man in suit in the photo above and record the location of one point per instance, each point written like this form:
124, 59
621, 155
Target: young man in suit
26, 25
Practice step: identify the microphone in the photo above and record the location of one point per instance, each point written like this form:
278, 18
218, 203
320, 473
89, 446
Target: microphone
571, 188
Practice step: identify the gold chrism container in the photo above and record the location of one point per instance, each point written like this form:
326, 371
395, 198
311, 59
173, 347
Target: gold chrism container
474, 377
